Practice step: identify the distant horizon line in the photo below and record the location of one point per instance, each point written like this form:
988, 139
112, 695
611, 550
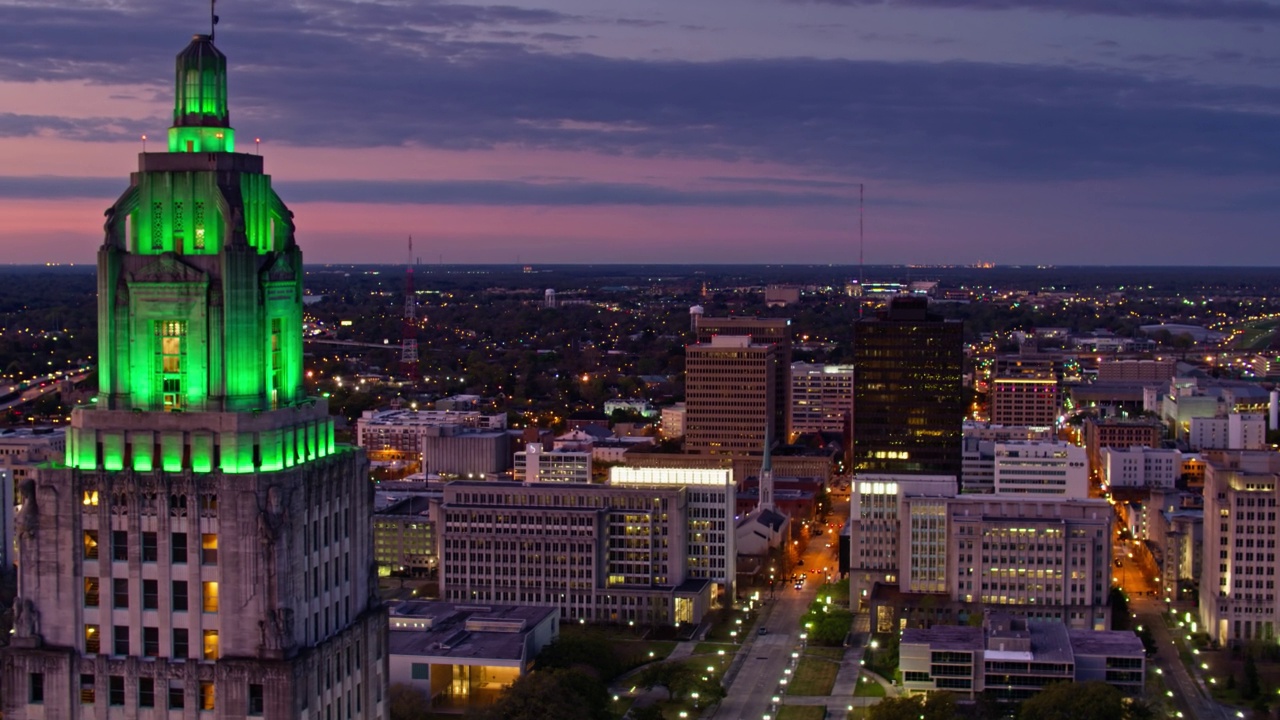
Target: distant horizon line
904, 266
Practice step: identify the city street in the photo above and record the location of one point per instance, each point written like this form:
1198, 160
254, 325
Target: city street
767, 655
1186, 692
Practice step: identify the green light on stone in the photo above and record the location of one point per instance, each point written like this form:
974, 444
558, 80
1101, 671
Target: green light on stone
112, 451
202, 453
141, 448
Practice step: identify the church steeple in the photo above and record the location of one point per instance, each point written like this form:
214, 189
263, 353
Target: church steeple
201, 121
766, 471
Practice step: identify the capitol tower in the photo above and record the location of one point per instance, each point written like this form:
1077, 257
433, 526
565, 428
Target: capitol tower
205, 549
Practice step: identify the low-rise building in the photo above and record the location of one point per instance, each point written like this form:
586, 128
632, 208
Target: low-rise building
398, 434
462, 656
1012, 658
673, 421
453, 451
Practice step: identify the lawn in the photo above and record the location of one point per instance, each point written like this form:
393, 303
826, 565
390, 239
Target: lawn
710, 648
829, 653
802, 712
813, 676
868, 688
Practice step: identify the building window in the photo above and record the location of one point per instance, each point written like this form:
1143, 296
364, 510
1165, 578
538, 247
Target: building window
146, 692
92, 639
209, 597
120, 593
178, 548
119, 545
35, 688
181, 644
277, 366
150, 594
150, 642
176, 699
210, 644
421, 671
150, 550
170, 338
206, 696
86, 689
120, 640
90, 544
256, 704
209, 549
91, 592
179, 595
115, 690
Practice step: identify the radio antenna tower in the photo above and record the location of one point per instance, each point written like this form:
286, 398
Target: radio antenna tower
862, 278
409, 341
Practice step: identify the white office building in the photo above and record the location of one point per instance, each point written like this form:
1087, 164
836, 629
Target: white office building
1041, 468
1141, 467
712, 498
534, 464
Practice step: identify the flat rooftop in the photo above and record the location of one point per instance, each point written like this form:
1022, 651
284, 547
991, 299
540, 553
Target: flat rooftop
1105, 642
463, 632
946, 637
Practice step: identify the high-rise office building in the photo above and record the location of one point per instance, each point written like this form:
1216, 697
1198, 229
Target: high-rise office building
762, 331
821, 397
730, 393
908, 407
204, 549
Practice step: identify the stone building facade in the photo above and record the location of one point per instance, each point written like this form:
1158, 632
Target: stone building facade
203, 549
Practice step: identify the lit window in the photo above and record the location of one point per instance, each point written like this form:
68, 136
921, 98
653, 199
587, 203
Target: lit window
210, 644
209, 593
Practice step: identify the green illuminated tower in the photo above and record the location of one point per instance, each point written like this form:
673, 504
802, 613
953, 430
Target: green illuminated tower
205, 545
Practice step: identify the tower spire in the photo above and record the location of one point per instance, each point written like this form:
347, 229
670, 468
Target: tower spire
766, 469
201, 120
213, 18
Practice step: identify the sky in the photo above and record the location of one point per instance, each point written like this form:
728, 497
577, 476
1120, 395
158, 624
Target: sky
1069, 132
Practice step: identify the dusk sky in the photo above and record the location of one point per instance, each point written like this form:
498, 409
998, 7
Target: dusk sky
1013, 131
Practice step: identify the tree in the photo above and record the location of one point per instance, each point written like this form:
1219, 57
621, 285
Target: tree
1074, 701
933, 706
550, 694
648, 712
406, 702
1252, 685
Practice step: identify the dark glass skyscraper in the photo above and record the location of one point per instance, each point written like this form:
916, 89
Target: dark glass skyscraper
908, 407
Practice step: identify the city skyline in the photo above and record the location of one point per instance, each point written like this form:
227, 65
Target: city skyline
558, 131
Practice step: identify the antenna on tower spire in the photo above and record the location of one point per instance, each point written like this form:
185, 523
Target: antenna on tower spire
213, 18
